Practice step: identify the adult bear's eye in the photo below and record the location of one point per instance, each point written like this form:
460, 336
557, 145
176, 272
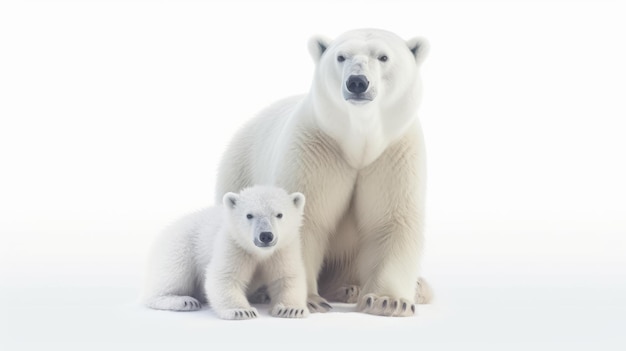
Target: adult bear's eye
279, 216
383, 58
249, 216
340, 58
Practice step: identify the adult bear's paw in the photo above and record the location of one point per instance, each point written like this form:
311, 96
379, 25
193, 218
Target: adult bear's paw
317, 303
345, 294
424, 292
386, 306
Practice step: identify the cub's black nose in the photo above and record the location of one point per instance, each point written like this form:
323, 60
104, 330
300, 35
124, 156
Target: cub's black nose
266, 237
357, 84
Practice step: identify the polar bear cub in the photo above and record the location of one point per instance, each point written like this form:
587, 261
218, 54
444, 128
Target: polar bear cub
221, 254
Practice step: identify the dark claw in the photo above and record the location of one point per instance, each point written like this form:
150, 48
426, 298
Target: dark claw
253, 314
237, 314
324, 304
369, 301
347, 291
279, 312
185, 303
385, 304
413, 308
312, 306
395, 305
247, 314
403, 306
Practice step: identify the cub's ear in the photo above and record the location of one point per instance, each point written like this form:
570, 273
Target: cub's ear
298, 200
230, 200
317, 47
419, 48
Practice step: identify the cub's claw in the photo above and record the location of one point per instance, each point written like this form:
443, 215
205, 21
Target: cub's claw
283, 311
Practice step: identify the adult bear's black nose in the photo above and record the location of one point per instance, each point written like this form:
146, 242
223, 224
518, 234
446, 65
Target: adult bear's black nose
266, 237
357, 84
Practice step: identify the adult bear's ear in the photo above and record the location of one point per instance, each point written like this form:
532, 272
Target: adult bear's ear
298, 200
419, 48
230, 200
317, 47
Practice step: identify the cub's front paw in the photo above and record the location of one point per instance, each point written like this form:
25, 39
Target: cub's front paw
283, 311
238, 313
317, 303
386, 306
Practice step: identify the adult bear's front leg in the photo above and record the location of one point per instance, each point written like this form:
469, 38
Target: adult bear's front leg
317, 170
389, 207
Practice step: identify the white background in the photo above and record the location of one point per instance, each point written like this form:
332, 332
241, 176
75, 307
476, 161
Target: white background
113, 116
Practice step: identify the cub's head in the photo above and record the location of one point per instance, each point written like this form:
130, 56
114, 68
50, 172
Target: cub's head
367, 66
264, 218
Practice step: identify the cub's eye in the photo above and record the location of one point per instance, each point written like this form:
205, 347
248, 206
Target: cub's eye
279, 216
249, 216
340, 58
383, 58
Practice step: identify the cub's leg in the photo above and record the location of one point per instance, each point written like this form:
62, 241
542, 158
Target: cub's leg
172, 278
227, 277
287, 284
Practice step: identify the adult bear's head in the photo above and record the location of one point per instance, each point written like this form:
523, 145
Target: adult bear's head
366, 90
367, 65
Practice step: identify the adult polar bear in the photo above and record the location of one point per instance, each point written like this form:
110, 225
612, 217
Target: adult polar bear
354, 147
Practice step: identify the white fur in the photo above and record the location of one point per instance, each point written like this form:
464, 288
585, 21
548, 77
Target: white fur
212, 254
360, 164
